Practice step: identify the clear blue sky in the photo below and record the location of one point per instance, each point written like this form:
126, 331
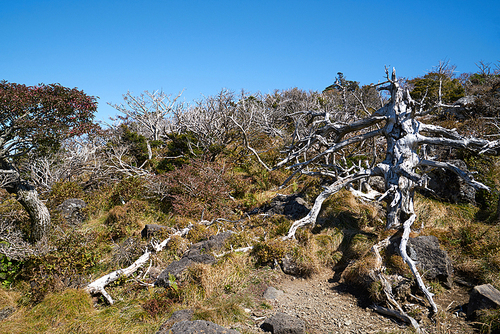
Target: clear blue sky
109, 47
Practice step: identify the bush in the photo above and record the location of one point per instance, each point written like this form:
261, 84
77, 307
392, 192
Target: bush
267, 252
74, 256
199, 190
126, 190
62, 191
124, 219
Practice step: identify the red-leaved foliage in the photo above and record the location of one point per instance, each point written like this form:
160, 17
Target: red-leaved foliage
199, 189
38, 118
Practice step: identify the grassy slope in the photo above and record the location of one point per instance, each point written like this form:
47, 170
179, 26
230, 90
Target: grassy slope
47, 300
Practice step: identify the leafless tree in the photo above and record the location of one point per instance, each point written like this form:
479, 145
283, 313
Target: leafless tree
209, 120
152, 112
320, 152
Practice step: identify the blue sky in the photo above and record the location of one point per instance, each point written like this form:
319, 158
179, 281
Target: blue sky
107, 48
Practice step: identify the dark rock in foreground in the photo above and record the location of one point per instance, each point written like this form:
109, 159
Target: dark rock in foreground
151, 229
199, 327
293, 206
6, 312
177, 316
431, 260
197, 253
483, 297
282, 323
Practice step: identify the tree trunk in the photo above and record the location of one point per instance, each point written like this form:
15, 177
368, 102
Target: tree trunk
38, 212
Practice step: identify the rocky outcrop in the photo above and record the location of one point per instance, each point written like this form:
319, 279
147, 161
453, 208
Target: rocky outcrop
197, 253
272, 293
282, 323
292, 206
289, 266
199, 327
177, 316
432, 261
6, 312
72, 211
448, 186
483, 297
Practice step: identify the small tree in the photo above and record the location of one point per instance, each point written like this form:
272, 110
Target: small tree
35, 120
150, 112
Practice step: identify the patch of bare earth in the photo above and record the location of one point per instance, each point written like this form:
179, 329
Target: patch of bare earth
330, 307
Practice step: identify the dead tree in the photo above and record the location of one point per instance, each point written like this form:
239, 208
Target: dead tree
396, 123
151, 112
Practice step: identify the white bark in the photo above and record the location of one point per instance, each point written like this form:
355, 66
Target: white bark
98, 285
403, 136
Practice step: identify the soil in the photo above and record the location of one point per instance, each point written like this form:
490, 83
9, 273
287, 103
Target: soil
328, 306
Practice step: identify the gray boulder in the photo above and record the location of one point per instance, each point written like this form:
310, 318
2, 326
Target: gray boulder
289, 266
282, 323
431, 260
177, 316
292, 206
483, 297
199, 327
197, 253
72, 211
176, 268
448, 186
6, 312
272, 293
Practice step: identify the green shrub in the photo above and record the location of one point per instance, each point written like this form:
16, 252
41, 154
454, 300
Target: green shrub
8, 270
124, 219
62, 191
72, 259
126, 190
266, 252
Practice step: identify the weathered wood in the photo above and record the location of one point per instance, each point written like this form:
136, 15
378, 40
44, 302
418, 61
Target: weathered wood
98, 285
396, 123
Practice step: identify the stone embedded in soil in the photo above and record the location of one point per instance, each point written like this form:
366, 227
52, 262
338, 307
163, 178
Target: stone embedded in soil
272, 293
282, 323
483, 297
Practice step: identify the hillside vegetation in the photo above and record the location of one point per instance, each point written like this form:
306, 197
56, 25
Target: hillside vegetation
211, 164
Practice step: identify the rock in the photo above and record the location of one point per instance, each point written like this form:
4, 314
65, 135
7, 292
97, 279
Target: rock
197, 256
272, 293
199, 326
293, 206
6, 312
154, 272
483, 297
432, 261
71, 211
177, 316
289, 266
214, 243
175, 268
151, 229
448, 186
281, 323
462, 108
197, 253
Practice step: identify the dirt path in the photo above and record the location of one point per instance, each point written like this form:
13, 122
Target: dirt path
329, 307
